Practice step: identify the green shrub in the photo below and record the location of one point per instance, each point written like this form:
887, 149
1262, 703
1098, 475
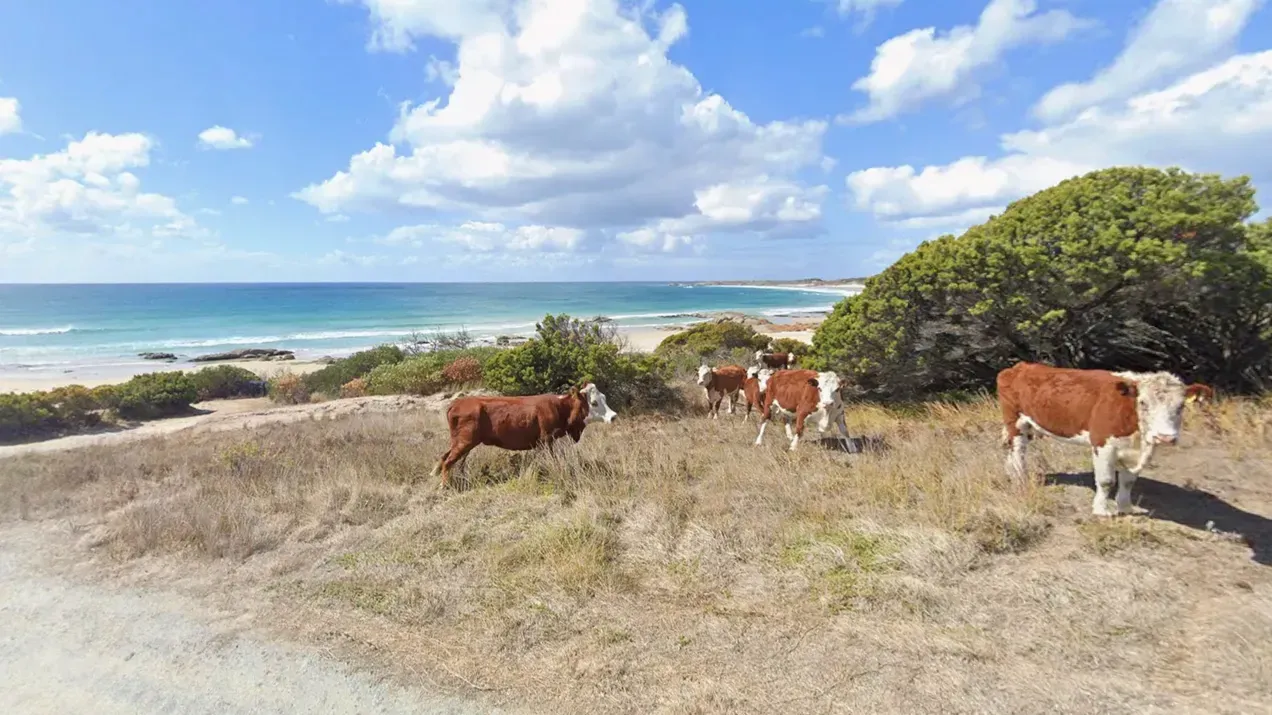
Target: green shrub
1123, 268
790, 345
568, 352
288, 389
360, 364
416, 376
223, 382
705, 339
27, 415
153, 395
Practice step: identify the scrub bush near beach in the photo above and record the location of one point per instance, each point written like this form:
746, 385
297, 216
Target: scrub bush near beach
568, 352
153, 395
360, 364
414, 376
223, 382
289, 389
1123, 268
706, 339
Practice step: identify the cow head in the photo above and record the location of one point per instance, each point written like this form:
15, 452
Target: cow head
704, 375
763, 376
1159, 402
752, 371
827, 384
598, 409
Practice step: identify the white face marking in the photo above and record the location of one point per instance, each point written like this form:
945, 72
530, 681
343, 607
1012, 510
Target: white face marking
828, 388
764, 376
703, 372
598, 409
752, 371
1159, 405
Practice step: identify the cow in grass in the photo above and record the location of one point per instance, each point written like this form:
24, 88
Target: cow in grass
751, 391
774, 361
1096, 408
797, 395
720, 383
520, 423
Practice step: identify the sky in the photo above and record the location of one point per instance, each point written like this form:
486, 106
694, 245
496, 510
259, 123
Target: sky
511, 140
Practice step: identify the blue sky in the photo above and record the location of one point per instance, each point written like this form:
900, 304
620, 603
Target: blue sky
426, 140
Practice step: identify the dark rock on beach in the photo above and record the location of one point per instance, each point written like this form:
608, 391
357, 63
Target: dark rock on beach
247, 354
156, 356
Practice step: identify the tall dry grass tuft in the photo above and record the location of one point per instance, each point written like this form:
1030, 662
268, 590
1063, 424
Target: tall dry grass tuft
666, 564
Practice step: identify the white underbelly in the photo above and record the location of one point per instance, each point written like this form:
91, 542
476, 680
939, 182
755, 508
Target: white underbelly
1026, 423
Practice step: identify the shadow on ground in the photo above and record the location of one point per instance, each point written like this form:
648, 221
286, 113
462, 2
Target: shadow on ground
1193, 508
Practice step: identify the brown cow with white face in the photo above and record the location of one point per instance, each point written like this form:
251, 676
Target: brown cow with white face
1096, 408
751, 391
724, 381
799, 394
775, 361
520, 423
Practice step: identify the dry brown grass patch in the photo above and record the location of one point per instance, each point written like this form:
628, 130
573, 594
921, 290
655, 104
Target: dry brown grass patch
668, 565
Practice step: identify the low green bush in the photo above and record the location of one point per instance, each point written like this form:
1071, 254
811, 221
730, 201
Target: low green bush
223, 382
360, 364
153, 395
568, 352
790, 345
417, 376
705, 339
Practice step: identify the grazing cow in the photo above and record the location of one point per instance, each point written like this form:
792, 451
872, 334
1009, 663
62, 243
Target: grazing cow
1097, 408
776, 361
520, 423
801, 394
751, 391
722, 382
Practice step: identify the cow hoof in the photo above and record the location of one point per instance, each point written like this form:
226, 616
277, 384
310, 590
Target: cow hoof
1103, 510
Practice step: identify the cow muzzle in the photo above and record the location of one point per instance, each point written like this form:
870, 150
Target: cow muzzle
1168, 439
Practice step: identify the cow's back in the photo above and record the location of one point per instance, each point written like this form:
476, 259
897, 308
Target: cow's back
508, 422
1066, 401
787, 388
729, 378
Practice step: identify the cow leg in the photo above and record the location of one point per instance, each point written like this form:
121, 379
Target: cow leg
763, 424
1105, 459
1016, 457
799, 429
1125, 483
458, 451
786, 422
1146, 453
733, 398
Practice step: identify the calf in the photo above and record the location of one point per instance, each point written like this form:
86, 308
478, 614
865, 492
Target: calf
776, 361
1097, 408
751, 391
519, 423
722, 382
801, 394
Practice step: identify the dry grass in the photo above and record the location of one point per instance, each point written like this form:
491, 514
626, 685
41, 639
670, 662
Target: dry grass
667, 565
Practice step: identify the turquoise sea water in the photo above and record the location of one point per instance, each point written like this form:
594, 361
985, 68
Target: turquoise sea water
64, 327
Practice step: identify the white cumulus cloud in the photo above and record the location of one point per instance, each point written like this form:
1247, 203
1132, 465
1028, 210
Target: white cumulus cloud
1176, 36
1215, 120
924, 65
87, 188
219, 137
568, 113
238, 200
10, 119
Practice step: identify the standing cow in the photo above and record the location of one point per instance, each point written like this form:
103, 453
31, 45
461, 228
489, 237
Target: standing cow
724, 381
776, 361
800, 394
1097, 408
520, 423
751, 392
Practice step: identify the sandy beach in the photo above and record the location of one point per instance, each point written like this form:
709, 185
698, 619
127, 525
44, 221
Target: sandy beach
92, 377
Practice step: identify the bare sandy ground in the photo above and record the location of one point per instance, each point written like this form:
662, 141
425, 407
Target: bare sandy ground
221, 415
71, 645
22, 382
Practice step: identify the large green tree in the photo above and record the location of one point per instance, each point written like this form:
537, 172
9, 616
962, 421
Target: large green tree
1123, 268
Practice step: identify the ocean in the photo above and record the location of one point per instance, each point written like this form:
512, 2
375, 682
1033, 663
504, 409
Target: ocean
60, 328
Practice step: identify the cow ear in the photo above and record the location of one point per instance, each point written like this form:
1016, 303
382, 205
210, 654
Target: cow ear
1125, 388
812, 381
1198, 392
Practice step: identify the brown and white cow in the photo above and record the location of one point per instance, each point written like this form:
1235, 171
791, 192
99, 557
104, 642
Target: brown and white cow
721, 382
798, 395
776, 361
751, 392
1097, 408
519, 423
